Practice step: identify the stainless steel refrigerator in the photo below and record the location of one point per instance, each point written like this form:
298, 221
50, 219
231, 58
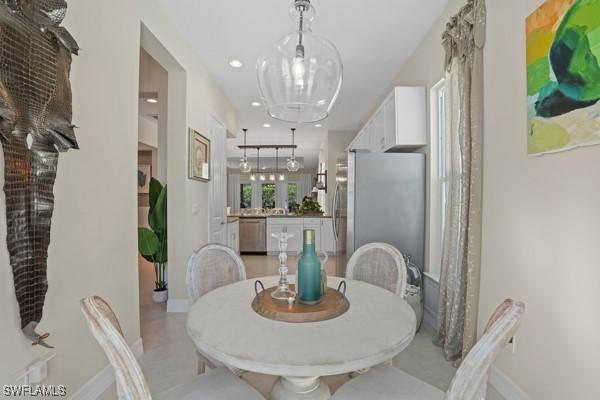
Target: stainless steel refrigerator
379, 197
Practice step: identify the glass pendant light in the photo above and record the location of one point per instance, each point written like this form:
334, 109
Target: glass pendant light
292, 164
245, 165
299, 78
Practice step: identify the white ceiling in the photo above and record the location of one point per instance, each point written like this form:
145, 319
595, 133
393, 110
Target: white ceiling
374, 39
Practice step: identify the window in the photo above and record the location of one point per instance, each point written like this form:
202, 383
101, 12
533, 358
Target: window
442, 161
292, 195
245, 195
439, 178
268, 195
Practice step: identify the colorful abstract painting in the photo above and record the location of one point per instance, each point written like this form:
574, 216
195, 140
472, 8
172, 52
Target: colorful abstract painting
563, 75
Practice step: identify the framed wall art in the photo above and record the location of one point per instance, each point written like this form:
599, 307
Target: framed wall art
199, 157
563, 75
144, 175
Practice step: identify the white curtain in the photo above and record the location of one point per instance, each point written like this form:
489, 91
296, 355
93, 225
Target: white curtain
256, 194
233, 193
281, 199
305, 187
461, 258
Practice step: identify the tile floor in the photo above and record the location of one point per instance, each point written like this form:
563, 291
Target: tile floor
169, 358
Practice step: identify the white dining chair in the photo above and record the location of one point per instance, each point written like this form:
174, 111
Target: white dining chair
209, 268
470, 381
218, 384
379, 264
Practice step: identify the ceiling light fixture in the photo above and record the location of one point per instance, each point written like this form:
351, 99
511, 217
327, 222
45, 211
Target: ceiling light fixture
266, 125
236, 64
245, 165
300, 77
151, 100
293, 165
318, 126
255, 104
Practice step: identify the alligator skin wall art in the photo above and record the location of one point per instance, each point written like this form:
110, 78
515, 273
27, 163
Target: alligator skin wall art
35, 125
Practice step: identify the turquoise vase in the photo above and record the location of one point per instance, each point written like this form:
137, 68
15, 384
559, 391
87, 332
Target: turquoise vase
309, 271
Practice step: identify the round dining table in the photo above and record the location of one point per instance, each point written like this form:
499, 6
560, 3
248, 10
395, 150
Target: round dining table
377, 326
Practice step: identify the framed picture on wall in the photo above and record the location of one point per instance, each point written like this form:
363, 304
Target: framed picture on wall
199, 157
143, 177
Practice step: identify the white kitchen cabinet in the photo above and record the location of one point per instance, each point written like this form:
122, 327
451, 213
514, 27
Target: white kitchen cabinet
377, 133
399, 124
327, 238
233, 235
323, 227
278, 225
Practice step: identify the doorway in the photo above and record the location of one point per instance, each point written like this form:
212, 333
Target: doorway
152, 110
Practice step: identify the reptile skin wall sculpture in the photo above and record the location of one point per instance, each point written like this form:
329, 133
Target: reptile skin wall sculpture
35, 125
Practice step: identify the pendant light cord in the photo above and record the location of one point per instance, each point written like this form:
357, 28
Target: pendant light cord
294, 143
245, 158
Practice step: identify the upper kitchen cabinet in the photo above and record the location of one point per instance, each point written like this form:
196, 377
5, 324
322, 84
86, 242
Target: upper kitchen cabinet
399, 124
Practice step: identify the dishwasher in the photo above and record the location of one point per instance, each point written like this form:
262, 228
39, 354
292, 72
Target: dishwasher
253, 235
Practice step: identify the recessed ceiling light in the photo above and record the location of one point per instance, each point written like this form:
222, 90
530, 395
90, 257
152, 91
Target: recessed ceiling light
256, 104
152, 100
267, 125
318, 126
236, 64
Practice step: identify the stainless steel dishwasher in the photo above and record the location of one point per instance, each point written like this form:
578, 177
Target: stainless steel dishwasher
253, 235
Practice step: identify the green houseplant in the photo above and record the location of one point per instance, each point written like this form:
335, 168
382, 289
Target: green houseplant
310, 206
152, 242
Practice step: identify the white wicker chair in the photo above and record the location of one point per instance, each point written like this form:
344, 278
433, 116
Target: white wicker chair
219, 384
380, 264
470, 382
209, 268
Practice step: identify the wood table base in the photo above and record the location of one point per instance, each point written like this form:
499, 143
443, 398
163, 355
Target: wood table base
305, 388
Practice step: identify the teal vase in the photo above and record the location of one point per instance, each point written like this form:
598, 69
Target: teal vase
309, 271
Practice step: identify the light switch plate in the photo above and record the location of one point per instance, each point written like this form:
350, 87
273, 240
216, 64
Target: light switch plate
195, 209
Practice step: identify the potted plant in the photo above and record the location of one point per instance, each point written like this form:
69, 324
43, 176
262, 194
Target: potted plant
152, 243
310, 206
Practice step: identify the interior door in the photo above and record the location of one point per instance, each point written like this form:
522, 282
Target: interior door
218, 184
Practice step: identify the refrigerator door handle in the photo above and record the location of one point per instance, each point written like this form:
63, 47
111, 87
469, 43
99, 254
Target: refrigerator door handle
334, 207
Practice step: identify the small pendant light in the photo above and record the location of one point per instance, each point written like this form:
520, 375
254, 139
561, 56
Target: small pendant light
293, 165
245, 165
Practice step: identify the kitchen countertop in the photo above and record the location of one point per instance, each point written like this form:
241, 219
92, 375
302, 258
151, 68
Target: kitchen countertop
232, 219
282, 216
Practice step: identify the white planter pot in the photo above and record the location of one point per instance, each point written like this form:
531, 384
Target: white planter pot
160, 296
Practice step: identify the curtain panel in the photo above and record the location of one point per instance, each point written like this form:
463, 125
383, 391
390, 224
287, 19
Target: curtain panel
463, 42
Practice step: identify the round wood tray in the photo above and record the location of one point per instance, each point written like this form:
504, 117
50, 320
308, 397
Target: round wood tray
332, 305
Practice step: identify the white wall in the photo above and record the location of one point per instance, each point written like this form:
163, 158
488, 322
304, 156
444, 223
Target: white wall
94, 234
148, 131
540, 229
540, 222
93, 247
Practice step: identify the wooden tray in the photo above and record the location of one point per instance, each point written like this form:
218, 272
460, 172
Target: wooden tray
332, 305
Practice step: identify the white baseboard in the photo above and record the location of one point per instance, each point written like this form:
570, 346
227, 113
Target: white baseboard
178, 305
505, 386
95, 387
